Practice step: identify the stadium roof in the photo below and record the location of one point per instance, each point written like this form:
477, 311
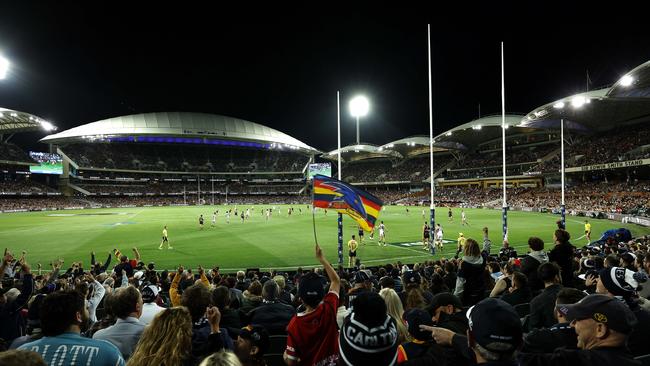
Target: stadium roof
181, 127
626, 102
12, 121
412, 146
478, 131
361, 152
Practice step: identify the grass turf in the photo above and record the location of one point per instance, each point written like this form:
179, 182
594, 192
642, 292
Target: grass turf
281, 243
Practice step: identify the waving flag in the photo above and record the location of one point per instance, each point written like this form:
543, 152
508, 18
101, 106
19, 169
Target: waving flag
331, 193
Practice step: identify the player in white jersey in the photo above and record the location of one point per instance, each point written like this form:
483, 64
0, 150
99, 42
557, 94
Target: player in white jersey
228, 217
382, 234
214, 218
463, 218
439, 235
268, 214
248, 213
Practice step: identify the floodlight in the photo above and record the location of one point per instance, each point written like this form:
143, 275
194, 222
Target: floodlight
4, 67
626, 80
359, 106
558, 105
578, 101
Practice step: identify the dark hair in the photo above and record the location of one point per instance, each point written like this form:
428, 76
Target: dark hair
547, 271
270, 291
59, 311
221, 297
562, 236
125, 301
520, 280
494, 267
196, 298
230, 282
611, 260
450, 267
535, 243
83, 288
569, 295
255, 288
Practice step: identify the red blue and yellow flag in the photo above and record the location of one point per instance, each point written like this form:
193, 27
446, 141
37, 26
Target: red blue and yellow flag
333, 194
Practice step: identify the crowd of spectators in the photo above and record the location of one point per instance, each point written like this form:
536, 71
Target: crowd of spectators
412, 170
24, 186
161, 187
11, 152
178, 157
624, 197
556, 304
609, 147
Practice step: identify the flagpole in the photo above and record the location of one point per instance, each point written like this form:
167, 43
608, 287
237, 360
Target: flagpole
563, 208
313, 211
432, 207
503, 141
340, 169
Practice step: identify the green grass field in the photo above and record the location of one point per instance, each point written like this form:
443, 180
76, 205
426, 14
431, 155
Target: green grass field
282, 243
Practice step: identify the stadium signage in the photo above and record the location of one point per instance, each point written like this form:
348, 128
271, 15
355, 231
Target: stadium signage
615, 165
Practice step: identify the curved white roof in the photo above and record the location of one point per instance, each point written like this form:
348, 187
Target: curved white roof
179, 124
17, 121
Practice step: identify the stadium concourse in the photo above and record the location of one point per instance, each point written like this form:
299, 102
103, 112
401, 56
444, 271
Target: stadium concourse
545, 303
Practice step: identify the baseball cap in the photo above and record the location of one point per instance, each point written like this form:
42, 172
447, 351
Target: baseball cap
621, 281
138, 275
495, 323
369, 334
411, 277
416, 317
361, 276
149, 293
444, 299
460, 234
258, 336
311, 287
603, 309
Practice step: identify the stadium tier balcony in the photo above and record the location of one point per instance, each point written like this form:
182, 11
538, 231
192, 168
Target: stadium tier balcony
11, 187
155, 157
12, 153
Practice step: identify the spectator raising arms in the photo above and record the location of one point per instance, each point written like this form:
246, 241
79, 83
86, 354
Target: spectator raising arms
313, 334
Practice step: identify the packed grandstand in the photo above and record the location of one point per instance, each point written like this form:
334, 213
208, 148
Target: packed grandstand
173, 158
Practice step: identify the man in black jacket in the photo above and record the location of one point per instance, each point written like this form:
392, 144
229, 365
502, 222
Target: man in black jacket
494, 334
447, 312
532, 261
272, 314
10, 319
542, 306
602, 324
546, 340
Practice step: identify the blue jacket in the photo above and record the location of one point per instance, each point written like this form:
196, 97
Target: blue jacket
73, 349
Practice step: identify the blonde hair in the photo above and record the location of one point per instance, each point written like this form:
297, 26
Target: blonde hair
166, 341
222, 358
395, 309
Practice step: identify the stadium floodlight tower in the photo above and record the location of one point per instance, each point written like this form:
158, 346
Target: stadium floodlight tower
359, 107
4, 67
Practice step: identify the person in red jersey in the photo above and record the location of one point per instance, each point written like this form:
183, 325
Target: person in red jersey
313, 334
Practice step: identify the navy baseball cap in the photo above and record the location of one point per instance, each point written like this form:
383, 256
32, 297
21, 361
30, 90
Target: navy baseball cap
495, 323
604, 309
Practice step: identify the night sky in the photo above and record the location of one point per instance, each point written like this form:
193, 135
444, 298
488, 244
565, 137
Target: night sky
74, 65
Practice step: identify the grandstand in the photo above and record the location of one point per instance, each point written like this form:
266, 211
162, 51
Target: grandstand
16, 179
177, 153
